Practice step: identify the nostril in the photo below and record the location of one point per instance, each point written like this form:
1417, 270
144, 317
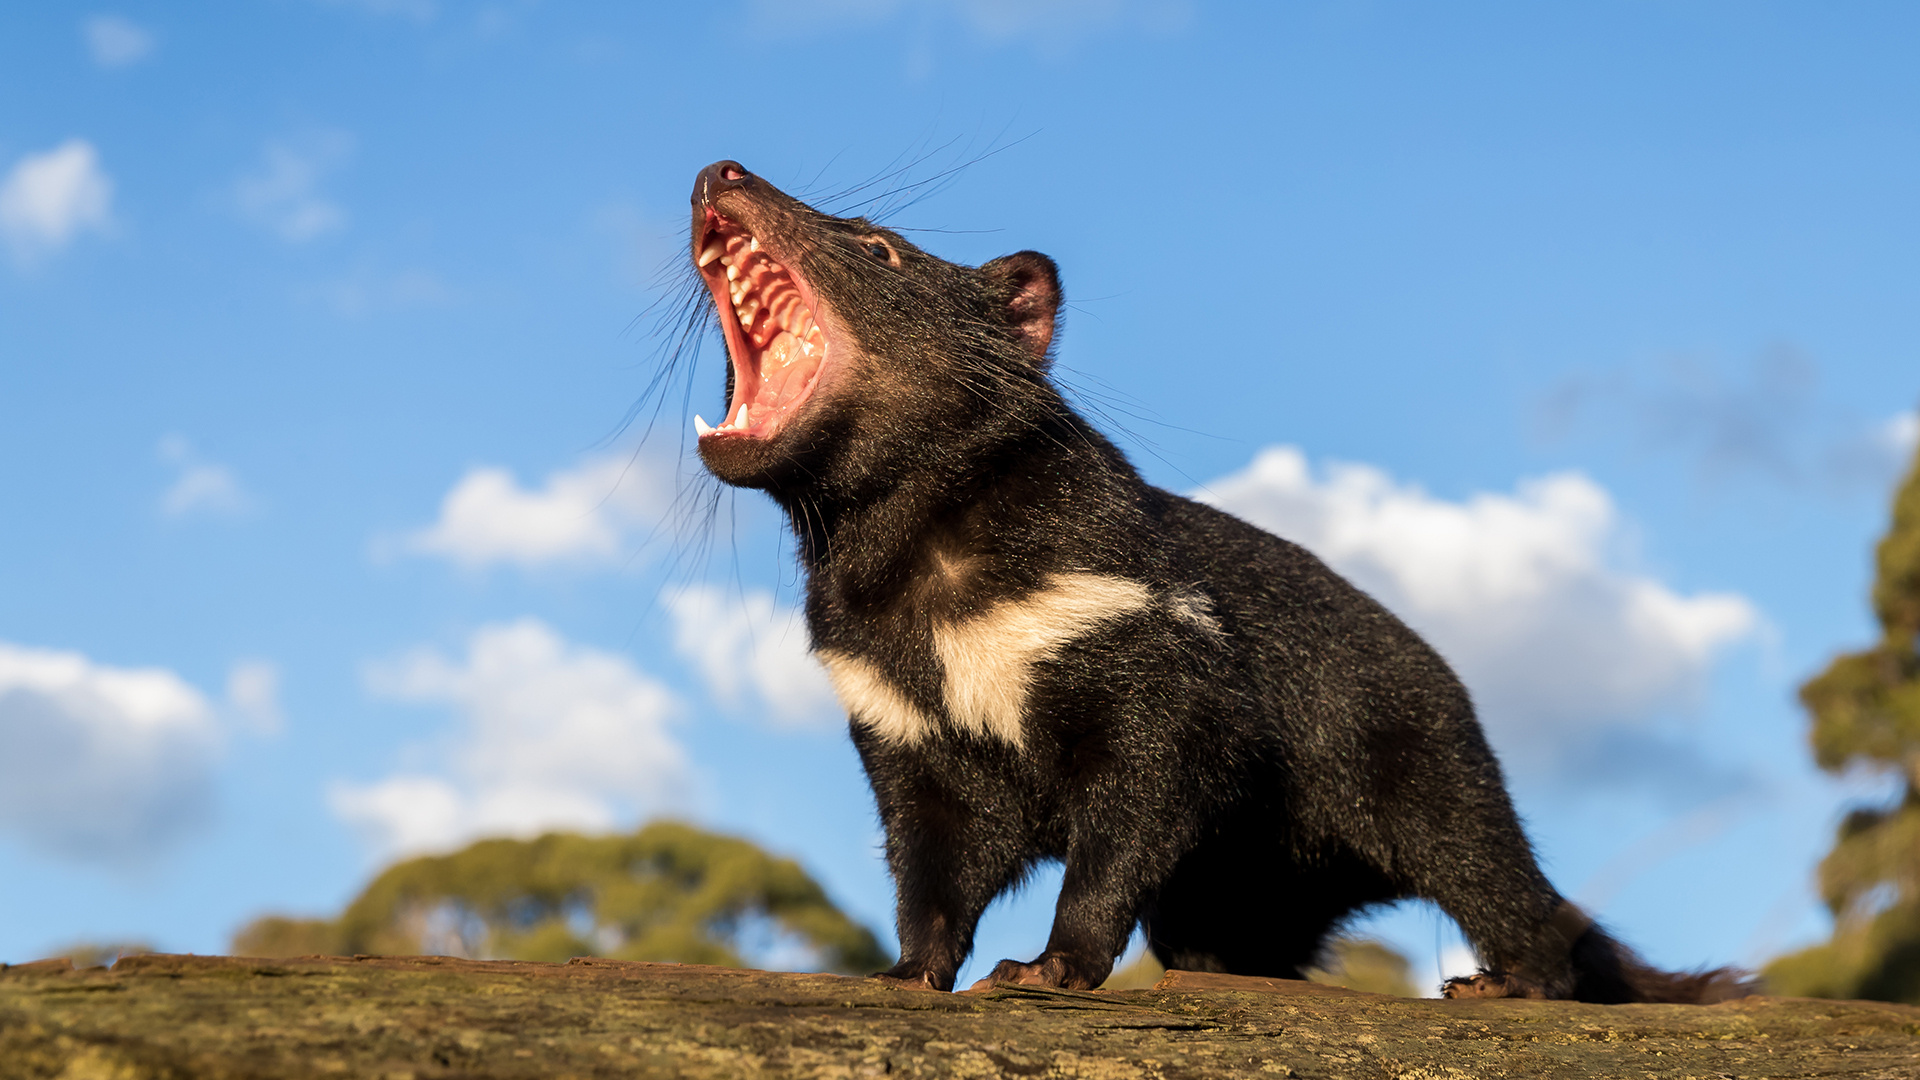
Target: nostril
722, 175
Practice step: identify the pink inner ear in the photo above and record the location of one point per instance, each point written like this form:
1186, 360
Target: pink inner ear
1032, 309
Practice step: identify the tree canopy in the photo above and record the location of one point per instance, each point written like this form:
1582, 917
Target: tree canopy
1355, 963
668, 892
1865, 709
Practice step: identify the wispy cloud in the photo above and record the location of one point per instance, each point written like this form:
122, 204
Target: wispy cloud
367, 292
752, 652
1765, 419
114, 42
1564, 646
283, 192
417, 10
548, 734
1900, 435
590, 514
253, 697
1051, 22
101, 763
49, 198
199, 487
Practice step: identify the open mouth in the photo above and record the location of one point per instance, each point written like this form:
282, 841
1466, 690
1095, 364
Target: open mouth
777, 348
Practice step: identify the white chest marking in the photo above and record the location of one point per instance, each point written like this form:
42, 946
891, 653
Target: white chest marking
873, 701
987, 661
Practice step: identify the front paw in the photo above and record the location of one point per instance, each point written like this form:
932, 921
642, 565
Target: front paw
1492, 984
913, 979
1051, 969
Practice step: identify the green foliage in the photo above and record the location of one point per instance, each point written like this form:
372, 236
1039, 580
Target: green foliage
1364, 964
1139, 975
1355, 963
668, 892
1866, 712
87, 954
277, 935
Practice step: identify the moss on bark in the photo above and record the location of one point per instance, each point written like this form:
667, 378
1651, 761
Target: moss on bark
174, 1016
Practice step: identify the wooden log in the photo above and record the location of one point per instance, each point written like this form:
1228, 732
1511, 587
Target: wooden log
153, 1017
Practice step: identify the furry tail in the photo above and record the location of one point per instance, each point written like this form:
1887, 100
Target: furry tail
1605, 972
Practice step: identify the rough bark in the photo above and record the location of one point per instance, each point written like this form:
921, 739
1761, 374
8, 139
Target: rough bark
181, 1016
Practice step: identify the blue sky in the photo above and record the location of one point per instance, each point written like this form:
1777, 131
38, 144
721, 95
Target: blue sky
1583, 335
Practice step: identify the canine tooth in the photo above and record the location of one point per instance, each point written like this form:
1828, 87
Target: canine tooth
741, 423
753, 244
701, 426
711, 252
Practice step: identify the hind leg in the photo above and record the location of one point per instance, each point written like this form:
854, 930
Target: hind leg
1474, 861
1251, 910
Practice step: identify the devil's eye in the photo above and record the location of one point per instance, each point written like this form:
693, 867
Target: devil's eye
879, 251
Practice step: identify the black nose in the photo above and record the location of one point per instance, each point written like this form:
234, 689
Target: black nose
718, 177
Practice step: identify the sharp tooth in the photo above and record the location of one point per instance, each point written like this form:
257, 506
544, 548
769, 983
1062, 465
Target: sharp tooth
733, 272
753, 244
701, 426
711, 252
741, 423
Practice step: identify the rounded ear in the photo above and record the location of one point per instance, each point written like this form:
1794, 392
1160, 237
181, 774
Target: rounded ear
1025, 289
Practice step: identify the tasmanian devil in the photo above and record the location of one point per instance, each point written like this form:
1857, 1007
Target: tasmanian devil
1044, 657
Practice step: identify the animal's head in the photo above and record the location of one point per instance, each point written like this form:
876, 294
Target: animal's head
853, 352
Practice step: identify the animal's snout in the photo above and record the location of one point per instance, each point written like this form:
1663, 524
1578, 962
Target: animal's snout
718, 177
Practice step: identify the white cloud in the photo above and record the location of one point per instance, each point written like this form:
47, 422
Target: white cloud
1901, 435
586, 514
417, 10
366, 292
1763, 417
49, 198
282, 194
750, 643
100, 762
550, 735
998, 20
200, 486
253, 696
115, 42
1524, 593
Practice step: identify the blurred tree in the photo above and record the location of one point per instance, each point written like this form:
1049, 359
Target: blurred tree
277, 935
86, 954
1365, 964
1355, 963
1866, 711
667, 892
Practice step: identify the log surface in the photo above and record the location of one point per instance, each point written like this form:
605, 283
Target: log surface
419, 1017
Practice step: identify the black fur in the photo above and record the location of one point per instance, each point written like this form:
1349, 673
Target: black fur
1237, 767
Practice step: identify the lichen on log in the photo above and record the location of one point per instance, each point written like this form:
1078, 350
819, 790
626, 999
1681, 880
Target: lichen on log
152, 1017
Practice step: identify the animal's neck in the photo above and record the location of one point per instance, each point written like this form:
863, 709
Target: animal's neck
961, 514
